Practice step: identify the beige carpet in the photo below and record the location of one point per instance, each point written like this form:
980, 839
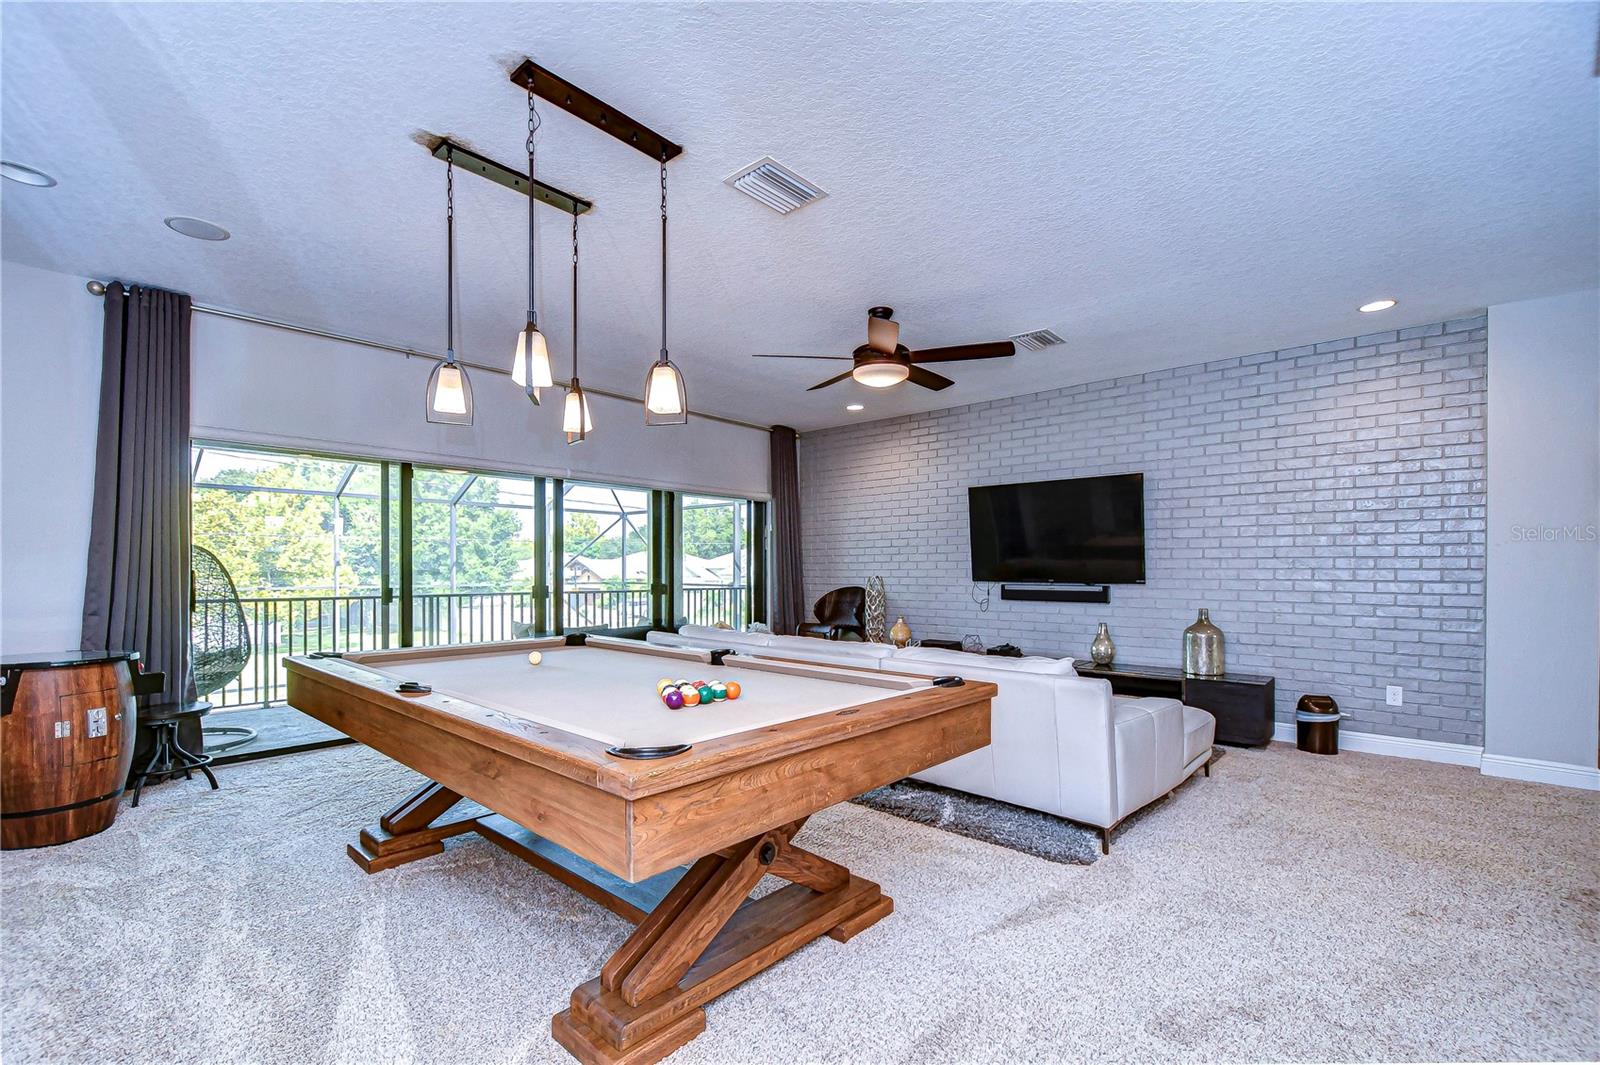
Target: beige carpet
1290, 908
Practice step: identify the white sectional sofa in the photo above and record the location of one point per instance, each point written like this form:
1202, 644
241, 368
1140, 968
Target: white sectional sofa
1060, 743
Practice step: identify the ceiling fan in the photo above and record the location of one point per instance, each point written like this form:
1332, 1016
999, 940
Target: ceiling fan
883, 361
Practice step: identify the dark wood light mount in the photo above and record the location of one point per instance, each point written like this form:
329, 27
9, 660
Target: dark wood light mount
602, 116
513, 179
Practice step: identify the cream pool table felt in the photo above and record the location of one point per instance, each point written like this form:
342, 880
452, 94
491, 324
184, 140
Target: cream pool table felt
606, 689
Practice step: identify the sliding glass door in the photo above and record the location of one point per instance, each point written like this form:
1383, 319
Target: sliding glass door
474, 557
606, 559
341, 554
303, 539
715, 560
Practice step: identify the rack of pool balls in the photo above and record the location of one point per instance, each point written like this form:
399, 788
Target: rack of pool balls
678, 694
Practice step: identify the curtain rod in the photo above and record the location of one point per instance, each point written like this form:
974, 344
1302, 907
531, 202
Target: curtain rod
98, 288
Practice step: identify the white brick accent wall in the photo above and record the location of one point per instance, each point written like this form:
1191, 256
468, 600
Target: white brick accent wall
1325, 502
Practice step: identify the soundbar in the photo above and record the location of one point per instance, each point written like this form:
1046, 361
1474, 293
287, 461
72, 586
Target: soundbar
1087, 594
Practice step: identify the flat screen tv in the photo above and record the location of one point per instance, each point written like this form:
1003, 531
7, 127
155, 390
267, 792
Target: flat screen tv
1088, 530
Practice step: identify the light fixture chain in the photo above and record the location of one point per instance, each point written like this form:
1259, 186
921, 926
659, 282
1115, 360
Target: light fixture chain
450, 254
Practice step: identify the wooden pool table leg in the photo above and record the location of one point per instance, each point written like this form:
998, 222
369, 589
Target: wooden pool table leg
705, 937
408, 832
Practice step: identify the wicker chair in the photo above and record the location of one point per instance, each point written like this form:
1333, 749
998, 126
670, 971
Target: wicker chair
219, 640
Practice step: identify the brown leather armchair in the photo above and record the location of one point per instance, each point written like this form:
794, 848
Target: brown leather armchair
839, 613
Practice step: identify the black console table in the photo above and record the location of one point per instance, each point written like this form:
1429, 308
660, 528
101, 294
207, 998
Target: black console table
1241, 703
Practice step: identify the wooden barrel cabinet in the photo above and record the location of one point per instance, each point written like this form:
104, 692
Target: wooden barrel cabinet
66, 741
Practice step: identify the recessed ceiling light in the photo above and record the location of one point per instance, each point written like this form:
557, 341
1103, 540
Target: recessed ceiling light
855, 406
27, 175
198, 228
1378, 305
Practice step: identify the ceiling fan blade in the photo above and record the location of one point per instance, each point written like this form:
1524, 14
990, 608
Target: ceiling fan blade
928, 379
780, 355
883, 335
997, 350
836, 380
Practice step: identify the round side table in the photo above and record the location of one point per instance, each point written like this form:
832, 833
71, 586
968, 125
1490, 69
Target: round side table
168, 757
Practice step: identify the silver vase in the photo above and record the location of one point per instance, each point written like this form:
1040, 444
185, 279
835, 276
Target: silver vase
1102, 650
877, 605
1202, 648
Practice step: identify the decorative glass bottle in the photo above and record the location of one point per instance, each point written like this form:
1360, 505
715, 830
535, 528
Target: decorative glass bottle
1103, 650
1202, 648
900, 634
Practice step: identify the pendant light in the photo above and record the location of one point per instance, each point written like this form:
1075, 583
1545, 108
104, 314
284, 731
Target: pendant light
665, 400
576, 421
530, 367
449, 390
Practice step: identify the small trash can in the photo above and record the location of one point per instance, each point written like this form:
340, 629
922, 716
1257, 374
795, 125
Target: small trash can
1316, 724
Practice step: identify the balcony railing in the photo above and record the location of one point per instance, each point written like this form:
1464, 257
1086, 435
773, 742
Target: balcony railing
284, 626
714, 605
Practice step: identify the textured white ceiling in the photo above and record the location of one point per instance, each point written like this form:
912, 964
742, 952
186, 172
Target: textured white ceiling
1161, 184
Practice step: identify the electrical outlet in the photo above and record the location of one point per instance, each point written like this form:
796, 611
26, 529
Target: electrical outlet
1394, 695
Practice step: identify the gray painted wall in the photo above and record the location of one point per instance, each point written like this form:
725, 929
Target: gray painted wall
1325, 502
1543, 669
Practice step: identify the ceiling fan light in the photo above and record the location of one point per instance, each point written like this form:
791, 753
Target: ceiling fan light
881, 374
532, 361
449, 395
666, 402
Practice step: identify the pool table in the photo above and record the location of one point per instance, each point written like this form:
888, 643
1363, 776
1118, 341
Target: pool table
667, 817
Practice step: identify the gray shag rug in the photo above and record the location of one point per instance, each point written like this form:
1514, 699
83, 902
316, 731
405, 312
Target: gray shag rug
989, 820
1017, 828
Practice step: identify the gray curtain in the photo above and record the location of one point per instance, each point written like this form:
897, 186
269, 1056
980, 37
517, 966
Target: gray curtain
137, 592
788, 575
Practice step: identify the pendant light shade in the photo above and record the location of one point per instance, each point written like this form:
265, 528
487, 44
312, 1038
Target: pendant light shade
665, 400
449, 394
576, 420
531, 365
449, 390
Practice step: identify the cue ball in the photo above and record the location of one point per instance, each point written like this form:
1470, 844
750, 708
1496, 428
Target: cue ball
535, 657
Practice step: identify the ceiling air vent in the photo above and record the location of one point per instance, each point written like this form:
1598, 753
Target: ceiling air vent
774, 184
1038, 338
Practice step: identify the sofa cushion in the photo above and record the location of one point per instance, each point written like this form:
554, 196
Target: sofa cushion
1199, 732
1149, 749
959, 660
715, 637
668, 639
808, 645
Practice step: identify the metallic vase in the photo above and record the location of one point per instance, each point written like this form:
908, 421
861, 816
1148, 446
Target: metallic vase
1202, 648
1102, 650
877, 606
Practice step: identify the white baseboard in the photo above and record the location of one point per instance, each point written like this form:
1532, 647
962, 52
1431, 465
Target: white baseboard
1493, 765
1562, 773
1394, 746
